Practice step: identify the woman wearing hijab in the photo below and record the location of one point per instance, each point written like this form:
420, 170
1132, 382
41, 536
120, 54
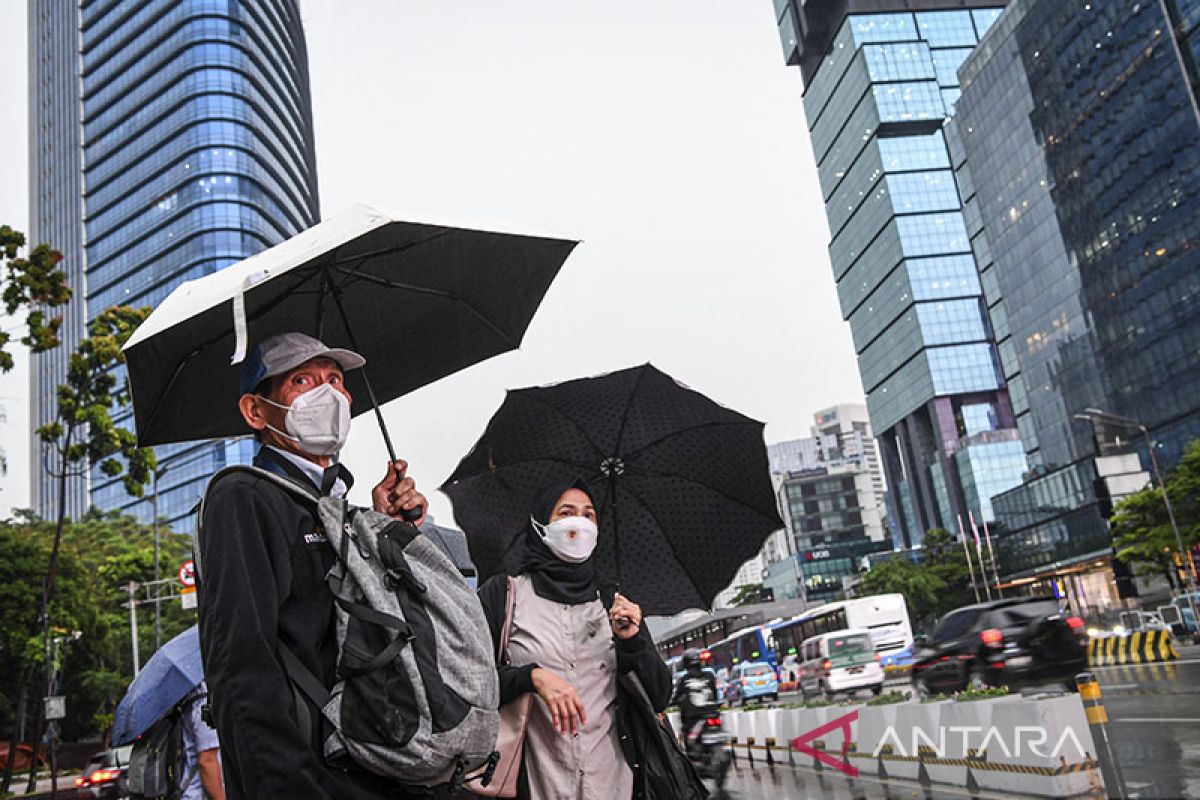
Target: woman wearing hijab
565, 647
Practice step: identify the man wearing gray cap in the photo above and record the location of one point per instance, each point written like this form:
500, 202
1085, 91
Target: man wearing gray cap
265, 558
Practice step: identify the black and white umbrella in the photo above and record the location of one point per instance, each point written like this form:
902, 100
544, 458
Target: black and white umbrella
418, 300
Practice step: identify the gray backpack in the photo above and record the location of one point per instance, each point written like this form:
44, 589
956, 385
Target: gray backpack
417, 693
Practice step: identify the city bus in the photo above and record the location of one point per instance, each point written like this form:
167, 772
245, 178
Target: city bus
748, 644
884, 615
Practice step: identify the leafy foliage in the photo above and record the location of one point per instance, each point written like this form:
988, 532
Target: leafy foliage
1141, 528
937, 585
100, 554
986, 693
747, 594
888, 698
82, 433
36, 284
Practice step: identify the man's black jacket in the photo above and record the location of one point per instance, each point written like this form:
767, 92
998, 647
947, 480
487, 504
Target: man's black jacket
263, 560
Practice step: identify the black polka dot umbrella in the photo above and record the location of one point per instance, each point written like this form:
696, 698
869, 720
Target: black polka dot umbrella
681, 483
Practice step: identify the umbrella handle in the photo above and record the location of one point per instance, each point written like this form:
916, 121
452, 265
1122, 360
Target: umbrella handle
409, 514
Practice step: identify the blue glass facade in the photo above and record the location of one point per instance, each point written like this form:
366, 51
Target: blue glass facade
879, 87
1080, 159
197, 152
56, 217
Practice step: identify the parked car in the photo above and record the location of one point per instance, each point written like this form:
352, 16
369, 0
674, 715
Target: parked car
106, 775
840, 661
755, 679
1015, 642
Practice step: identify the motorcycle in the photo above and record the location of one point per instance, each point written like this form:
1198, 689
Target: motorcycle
706, 746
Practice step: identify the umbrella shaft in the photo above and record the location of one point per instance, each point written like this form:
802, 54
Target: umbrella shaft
409, 514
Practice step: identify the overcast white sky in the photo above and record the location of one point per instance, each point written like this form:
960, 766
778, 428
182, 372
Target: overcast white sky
668, 136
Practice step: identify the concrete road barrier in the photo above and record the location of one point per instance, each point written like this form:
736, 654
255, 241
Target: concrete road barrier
1138, 647
1032, 746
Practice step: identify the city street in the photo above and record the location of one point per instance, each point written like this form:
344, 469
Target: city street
1154, 713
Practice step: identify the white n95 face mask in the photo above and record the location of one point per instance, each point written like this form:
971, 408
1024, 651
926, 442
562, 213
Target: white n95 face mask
318, 420
571, 538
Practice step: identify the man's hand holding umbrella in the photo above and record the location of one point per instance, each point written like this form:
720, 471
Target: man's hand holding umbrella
397, 493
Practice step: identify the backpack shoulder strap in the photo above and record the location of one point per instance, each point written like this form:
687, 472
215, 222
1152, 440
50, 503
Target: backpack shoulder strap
509, 602
303, 490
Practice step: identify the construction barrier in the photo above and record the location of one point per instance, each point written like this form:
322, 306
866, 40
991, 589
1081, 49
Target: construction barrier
1139, 647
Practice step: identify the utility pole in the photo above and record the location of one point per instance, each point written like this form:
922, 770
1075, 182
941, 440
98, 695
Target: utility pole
132, 588
157, 577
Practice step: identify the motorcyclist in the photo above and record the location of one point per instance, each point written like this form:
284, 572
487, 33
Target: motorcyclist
695, 694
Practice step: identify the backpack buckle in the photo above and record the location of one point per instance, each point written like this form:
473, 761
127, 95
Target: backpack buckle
490, 772
460, 770
403, 575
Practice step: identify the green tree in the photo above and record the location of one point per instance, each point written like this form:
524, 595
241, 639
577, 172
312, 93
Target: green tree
82, 434
921, 586
1141, 529
939, 583
100, 554
946, 558
747, 594
34, 284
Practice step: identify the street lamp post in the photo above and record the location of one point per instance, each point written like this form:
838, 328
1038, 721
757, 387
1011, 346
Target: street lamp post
157, 576
1091, 415
160, 469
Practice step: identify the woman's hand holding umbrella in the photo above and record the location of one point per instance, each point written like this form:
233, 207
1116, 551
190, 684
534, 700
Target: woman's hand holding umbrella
625, 617
395, 493
566, 709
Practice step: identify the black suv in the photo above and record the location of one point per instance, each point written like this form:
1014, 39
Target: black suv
1016, 642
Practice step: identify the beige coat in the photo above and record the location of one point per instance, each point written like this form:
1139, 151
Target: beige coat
575, 643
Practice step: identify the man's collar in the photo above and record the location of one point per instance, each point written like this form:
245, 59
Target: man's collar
313, 472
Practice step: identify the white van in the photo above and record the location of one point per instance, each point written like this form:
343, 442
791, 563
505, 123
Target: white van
841, 661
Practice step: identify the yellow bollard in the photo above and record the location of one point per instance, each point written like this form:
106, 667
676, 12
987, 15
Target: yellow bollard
1097, 717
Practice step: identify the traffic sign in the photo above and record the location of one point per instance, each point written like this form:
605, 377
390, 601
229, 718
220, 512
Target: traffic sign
187, 573
56, 707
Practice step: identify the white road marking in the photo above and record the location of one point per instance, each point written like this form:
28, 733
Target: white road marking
1148, 664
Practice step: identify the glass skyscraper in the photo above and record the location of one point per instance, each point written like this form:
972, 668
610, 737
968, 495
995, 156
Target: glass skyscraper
1080, 138
879, 85
196, 152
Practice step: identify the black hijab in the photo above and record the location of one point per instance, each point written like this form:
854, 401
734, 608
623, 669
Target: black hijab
554, 579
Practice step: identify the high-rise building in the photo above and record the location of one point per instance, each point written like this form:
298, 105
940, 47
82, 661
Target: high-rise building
56, 217
831, 495
880, 80
1080, 151
170, 138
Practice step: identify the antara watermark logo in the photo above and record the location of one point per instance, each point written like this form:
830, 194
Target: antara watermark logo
1023, 739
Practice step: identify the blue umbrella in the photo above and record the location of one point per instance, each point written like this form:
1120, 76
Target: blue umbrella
166, 679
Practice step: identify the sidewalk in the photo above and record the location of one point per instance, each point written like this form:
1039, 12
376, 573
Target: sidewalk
66, 786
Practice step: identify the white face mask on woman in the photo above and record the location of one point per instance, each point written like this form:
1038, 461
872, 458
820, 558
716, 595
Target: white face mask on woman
571, 538
318, 420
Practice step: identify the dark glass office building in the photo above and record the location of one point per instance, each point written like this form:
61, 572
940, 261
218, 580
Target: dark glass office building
196, 152
1080, 140
880, 80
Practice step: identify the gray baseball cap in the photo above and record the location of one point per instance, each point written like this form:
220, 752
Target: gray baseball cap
278, 354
